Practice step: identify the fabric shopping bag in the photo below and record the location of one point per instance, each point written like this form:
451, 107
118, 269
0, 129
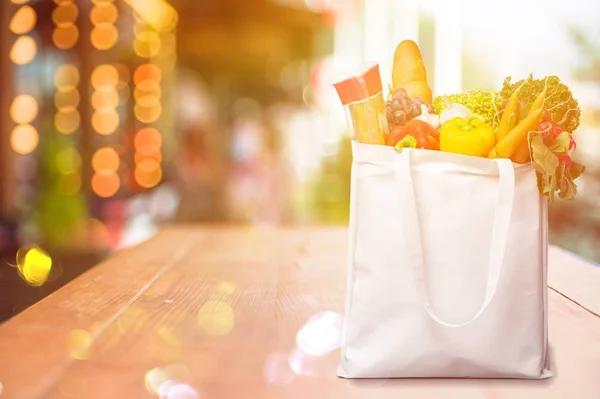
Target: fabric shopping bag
446, 267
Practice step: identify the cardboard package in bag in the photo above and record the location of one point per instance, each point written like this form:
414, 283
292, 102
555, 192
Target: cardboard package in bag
446, 268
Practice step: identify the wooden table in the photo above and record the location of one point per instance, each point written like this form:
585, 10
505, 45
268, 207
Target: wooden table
216, 312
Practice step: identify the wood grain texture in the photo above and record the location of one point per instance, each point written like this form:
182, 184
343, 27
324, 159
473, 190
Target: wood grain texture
219, 310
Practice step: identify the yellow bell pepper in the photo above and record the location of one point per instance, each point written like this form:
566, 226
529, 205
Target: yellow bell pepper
467, 136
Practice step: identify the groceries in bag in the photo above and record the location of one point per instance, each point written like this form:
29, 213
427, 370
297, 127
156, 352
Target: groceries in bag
362, 97
530, 121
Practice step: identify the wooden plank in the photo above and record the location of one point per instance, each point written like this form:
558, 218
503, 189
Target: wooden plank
575, 278
220, 309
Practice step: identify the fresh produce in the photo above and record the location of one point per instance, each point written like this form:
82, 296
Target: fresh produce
400, 108
428, 117
507, 145
552, 161
510, 115
522, 154
480, 102
530, 121
563, 108
470, 136
425, 135
409, 71
453, 110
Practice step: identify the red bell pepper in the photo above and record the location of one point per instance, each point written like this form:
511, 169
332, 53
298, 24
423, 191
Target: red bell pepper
427, 136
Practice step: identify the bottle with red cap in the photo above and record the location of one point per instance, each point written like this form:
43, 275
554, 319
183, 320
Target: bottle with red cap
362, 97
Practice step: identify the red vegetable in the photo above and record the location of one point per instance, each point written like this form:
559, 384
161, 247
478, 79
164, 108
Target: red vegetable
427, 136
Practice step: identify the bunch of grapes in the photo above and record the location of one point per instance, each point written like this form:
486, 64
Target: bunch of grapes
400, 108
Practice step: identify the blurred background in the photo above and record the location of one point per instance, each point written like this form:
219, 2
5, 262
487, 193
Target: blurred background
120, 116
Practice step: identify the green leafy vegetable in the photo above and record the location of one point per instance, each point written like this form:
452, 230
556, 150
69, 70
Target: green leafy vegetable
559, 101
480, 102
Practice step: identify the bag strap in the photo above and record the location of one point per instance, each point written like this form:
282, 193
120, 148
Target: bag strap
412, 232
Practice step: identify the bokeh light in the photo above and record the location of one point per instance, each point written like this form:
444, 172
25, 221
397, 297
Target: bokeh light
155, 156
154, 378
24, 109
104, 37
105, 76
147, 93
105, 184
216, 318
68, 161
67, 120
159, 14
23, 21
65, 13
24, 139
105, 98
147, 114
302, 363
69, 183
147, 44
67, 100
105, 160
225, 287
148, 140
66, 77
105, 121
277, 370
321, 334
179, 391
20, 1
65, 37
24, 50
148, 173
147, 72
34, 265
79, 344
104, 13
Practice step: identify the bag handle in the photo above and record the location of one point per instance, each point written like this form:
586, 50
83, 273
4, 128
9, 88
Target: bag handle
412, 235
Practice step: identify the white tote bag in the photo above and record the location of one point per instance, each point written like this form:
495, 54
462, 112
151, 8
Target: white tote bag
446, 268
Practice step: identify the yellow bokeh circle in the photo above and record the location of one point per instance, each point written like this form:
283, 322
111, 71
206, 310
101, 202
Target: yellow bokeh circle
147, 114
105, 76
67, 100
23, 109
65, 13
105, 160
65, 37
105, 184
66, 77
23, 50
104, 37
34, 266
67, 120
147, 44
148, 173
105, 121
23, 21
105, 98
104, 13
24, 139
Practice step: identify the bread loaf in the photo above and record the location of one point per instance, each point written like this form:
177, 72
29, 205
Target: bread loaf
409, 71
